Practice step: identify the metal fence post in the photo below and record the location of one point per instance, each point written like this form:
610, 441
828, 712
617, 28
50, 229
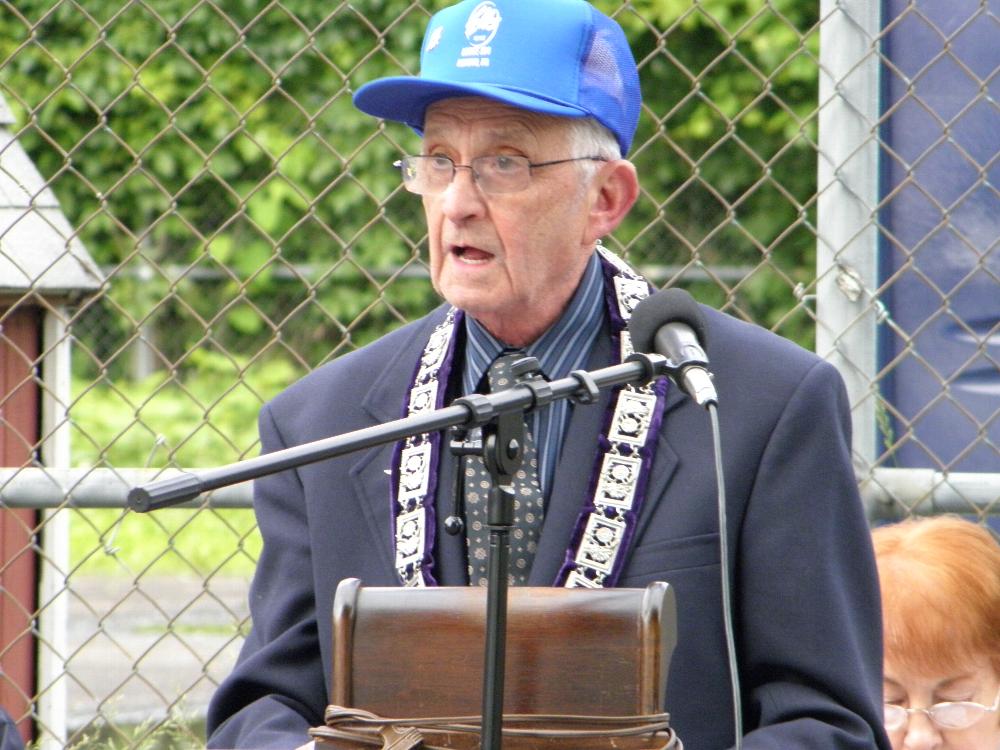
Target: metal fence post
847, 252
53, 592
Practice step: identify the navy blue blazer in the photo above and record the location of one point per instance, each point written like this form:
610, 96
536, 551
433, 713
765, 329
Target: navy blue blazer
9, 737
807, 615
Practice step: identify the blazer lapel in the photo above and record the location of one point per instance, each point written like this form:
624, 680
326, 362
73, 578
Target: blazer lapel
571, 485
369, 474
571, 480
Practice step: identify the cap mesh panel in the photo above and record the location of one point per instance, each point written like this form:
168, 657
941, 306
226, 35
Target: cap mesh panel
609, 84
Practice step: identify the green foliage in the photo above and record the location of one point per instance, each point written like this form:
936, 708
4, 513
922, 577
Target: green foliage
203, 417
202, 152
726, 147
211, 157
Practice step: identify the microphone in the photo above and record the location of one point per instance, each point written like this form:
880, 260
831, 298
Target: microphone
671, 323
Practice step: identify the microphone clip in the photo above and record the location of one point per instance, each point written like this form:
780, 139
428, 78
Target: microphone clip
464, 442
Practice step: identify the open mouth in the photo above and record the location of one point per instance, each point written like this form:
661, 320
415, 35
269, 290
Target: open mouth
471, 254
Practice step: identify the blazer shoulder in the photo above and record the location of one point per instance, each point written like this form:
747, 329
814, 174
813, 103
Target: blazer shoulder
760, 366
753, 345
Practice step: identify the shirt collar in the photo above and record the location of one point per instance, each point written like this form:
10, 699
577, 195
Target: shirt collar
564, 347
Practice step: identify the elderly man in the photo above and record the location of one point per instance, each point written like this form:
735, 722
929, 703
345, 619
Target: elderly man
526, 111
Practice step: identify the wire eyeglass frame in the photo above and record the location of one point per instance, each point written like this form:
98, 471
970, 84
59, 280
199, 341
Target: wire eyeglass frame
495, 174
897, 716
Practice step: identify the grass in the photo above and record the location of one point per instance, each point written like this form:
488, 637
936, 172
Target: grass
198, 542
169, 734
179, 628
204, 416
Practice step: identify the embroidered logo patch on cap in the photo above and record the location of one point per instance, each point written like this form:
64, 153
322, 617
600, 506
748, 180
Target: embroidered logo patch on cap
482, 26
434, 37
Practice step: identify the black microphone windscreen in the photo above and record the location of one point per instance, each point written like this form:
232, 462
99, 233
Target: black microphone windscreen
666, 306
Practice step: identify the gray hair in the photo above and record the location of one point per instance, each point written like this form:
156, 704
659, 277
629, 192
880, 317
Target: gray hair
588, 137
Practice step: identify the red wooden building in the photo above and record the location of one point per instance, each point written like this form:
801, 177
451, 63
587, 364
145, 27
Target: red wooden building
44, 272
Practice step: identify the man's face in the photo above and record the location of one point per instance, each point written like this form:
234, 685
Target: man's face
512, 260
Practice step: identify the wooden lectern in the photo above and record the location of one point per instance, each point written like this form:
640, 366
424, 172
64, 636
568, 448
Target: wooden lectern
585, 668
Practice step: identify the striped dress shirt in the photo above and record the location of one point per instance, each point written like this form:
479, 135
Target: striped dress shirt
564, 347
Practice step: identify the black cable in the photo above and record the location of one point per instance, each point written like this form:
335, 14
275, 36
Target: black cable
727, 604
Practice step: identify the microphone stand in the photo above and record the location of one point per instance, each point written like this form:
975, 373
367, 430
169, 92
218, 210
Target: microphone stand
503, 414
475, 410
503, 449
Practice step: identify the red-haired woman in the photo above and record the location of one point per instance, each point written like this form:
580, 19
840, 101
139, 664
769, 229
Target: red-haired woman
940, 581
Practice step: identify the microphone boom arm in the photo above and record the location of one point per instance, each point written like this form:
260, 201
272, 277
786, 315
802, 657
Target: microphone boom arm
580, 386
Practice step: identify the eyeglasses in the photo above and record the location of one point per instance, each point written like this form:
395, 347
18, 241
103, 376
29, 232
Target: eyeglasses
950, 715
430, 175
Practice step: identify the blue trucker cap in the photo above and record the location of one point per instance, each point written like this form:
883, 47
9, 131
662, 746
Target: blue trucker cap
557, 57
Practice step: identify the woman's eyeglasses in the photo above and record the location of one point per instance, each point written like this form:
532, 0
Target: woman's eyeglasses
950, 715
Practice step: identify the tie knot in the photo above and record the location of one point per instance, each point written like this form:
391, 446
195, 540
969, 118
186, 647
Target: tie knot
500, 375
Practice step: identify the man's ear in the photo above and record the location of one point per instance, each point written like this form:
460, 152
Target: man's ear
613, 192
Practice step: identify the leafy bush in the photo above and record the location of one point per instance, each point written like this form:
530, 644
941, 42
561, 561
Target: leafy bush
211, 158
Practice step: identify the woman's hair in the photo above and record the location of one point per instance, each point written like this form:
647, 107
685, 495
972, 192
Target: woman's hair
940, 581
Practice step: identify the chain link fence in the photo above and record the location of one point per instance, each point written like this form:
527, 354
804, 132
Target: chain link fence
193, 215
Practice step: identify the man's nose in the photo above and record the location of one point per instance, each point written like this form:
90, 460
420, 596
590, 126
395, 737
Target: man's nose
922, 734
462, 199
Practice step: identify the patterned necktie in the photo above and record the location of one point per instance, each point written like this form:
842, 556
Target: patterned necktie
528, 502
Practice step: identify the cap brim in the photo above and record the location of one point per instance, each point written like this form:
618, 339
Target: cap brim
406, 98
